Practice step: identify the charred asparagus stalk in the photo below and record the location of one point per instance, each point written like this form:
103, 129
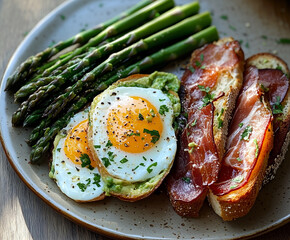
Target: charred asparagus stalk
34, 61
164, 55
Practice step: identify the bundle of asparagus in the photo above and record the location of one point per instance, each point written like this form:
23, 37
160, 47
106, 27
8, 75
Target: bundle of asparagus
52, 87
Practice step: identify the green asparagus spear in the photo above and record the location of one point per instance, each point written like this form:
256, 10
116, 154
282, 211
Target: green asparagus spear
167, 19
165, 55
179, 30
32, 62
32, 86
129, 22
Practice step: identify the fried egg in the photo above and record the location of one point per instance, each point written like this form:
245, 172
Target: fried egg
73, 167
131, 132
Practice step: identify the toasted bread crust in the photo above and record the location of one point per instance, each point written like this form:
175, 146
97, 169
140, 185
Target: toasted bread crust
133, 195
238, 203
229, 82
270, 61
227, 102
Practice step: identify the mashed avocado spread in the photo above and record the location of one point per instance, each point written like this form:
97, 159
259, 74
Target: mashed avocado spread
169, 84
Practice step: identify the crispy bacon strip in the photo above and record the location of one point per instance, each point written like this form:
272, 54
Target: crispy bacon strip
247, 131
197, 163
276, 85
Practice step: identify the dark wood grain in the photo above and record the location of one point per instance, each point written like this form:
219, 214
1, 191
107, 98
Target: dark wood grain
22, 214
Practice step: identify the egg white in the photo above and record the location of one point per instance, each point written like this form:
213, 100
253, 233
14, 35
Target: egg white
68, 175
140, 166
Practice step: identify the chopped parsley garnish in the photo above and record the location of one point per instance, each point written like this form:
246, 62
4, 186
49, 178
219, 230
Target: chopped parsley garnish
86, 161
97, 146
241, 124
277, 106
192, 145
111, 156
149, 169
58, 149
186, 179
144, 158
279, 68
201, 57
163, 109
109, 144
239, 159
161, 100
106, 161
68, 172
135, 168
220, 122
191, 68
284, 41
233, 187
193, 123
142, 164
62, 17
152, 113
140, 116
97, 179
224, 17
265, 89
247, 45
203, 67
154, 133
208, 97
124, 160
257, 147
238, 179
197, 63
246, 133
132, 133
82, 186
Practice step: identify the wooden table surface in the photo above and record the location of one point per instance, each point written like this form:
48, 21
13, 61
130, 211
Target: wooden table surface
22, 214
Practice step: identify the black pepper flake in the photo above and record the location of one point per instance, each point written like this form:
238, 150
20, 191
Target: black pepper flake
78, 138
126, 145
102, 103
113, 94
118, 98
77, 169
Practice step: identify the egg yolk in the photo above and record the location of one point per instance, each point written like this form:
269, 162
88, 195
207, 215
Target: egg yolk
134, 125
76, 145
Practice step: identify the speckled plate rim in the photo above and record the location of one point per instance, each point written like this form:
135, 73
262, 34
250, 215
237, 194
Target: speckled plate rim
38, 191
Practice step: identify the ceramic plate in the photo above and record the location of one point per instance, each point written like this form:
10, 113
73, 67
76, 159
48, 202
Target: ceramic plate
151, 218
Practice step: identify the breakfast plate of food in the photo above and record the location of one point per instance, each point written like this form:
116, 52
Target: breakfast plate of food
152, 119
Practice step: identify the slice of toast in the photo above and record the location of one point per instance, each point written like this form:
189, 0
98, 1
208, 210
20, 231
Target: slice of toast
281, 121
122, 188
249, 143
216, 71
